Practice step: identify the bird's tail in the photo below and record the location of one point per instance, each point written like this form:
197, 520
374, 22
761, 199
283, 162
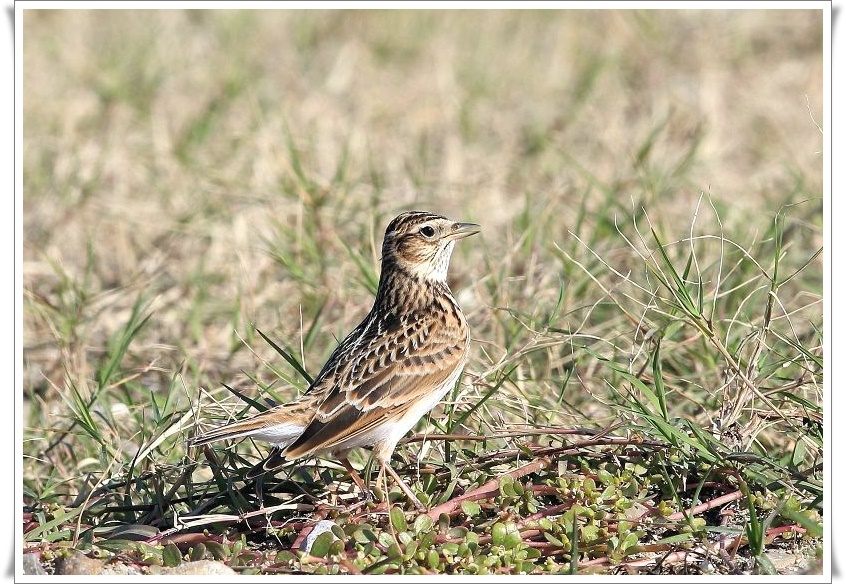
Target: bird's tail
240, 429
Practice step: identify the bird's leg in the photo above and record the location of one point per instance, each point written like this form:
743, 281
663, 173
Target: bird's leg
381, 484
355, 477
408, 492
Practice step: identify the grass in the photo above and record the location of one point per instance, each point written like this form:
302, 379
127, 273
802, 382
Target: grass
204, 199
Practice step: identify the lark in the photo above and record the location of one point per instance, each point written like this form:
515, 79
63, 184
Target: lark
393, 368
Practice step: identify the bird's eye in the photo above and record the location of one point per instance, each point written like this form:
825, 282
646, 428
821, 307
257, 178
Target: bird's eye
427, 231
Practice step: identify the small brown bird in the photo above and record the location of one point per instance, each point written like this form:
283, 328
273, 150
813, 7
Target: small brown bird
395, 366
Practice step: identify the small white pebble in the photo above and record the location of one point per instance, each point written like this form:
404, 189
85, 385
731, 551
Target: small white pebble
321, 527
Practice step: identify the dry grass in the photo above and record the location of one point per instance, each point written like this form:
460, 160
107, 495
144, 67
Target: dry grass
235, 169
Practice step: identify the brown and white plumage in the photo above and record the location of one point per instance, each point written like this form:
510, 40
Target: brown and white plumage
395, 366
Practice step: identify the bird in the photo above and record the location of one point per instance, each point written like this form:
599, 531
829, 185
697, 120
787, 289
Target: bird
392, 369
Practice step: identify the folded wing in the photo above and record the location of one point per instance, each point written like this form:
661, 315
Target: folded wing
405, 361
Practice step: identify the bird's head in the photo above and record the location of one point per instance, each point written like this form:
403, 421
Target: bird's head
421, 243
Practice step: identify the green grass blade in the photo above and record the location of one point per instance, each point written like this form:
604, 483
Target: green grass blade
288, 357
257, 405
657, 374
680, 291
119, 344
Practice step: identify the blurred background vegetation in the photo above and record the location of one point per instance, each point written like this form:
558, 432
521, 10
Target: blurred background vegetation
192, 175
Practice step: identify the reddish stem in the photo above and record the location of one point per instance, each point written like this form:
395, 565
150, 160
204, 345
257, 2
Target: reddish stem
487, 490
733, 496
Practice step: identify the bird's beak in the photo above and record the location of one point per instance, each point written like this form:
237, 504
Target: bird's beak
462, 230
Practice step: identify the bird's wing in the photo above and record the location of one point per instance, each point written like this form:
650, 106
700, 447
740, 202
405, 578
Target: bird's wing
395, 364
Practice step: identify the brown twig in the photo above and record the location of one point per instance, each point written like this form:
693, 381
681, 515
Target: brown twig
489, 488
576, 447
722, 500
512, 434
